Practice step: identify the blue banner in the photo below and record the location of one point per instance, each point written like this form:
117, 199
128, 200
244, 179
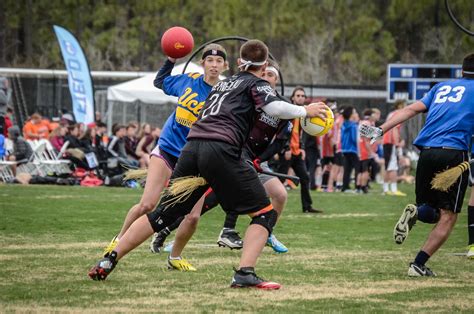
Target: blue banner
79, 78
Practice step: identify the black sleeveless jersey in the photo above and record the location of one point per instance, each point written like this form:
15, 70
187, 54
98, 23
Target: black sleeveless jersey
231, 108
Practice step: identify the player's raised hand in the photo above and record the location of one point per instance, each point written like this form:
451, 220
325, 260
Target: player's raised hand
317, 109
372, 132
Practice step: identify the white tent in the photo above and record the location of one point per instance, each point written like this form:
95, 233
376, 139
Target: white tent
142, 89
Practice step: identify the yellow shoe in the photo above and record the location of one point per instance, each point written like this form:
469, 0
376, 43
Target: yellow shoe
398, 193
470, 252
180, 264
111, 246
387, 193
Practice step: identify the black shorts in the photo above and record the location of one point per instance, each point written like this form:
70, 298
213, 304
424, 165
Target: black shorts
364, 165
327, 161
234, 181
431, 162
339, 159
169, 159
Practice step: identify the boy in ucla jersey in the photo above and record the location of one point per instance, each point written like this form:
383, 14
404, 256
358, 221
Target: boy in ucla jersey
191, 90
444, 143
213, 152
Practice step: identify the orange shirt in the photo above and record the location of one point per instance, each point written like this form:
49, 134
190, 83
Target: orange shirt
364, 153
391, 137
295, 138
41, 130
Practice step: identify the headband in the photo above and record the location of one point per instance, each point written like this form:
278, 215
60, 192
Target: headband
214, 52
246, 64
273, 69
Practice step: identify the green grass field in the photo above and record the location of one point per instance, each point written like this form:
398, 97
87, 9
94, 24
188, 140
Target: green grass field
342, 260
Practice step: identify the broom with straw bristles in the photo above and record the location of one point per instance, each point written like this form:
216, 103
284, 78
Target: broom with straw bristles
444, 180
180, 189
135, 174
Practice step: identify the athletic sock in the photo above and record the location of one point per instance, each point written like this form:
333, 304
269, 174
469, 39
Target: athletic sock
421, 258
230, 221
393, 187
174, 258
385, 187
470, 223
165, 232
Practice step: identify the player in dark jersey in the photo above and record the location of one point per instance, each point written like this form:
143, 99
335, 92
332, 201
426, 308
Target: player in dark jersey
213, 152
192, 90
267, 130
444, 143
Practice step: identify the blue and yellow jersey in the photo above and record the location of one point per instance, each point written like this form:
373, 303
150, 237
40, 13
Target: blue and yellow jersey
192, 91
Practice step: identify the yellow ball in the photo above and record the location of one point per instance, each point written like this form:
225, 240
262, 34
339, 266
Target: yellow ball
317, 126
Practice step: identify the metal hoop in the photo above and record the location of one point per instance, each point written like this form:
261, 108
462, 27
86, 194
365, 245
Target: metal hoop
455, 21
239, 38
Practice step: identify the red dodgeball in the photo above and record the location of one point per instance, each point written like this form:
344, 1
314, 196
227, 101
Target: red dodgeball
177, 42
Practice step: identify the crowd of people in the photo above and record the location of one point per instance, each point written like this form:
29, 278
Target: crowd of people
87, 146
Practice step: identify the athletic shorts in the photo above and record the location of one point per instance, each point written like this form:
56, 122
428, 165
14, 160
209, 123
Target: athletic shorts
390, 156
327, 161
233, 179
431, 162
364, 165
169, 159
339, 159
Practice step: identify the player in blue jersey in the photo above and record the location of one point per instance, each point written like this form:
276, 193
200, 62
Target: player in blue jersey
192, 90
470, 208
444, 143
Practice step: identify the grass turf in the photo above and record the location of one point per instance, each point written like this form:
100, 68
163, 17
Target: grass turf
342, 260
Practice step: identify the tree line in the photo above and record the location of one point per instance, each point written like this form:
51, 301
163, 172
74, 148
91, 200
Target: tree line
316, 42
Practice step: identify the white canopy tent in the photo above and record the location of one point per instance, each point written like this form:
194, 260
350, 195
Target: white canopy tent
143, 90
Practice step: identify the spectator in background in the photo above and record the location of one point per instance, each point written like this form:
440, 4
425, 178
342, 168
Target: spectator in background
391, 144
145, 145
349, 141
131, 141
365, 154
101, 141
294, 157
67, 118
116, 147
11, 115
312, 160
88, 140
36, 128
22, 151
74, 149
337, 168
56, 138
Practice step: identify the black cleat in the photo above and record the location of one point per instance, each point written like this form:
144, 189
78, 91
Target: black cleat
312, 210
231, 239
157, 242
104, 267
416, 270
246, 278
405, 223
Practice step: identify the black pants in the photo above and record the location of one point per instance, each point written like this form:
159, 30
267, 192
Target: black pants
312, 157
299, 166
351, 161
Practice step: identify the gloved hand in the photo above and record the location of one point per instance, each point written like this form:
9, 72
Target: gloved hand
372, 132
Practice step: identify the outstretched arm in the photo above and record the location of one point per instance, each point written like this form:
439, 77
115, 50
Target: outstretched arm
403, 115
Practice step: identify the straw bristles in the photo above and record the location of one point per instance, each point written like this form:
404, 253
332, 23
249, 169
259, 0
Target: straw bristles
135, 174
444, 180
180, 189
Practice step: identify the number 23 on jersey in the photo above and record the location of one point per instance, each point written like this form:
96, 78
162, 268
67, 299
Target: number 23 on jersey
448, 93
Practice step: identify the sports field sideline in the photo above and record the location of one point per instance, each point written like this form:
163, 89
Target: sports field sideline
342, 260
